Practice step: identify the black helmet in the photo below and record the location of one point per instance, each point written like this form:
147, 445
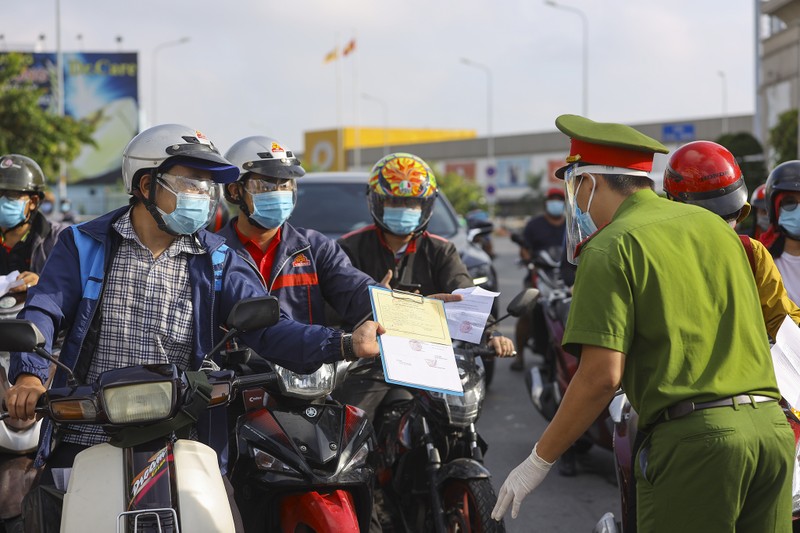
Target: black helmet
20, 173
784, 177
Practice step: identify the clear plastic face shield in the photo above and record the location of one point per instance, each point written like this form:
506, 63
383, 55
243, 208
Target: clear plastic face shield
575, 177
580, 225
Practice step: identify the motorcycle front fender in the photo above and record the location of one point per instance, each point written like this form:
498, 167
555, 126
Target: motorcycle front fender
461, 468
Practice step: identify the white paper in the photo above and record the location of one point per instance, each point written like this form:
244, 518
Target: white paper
466, 319
420, 364
786, 360
9, 281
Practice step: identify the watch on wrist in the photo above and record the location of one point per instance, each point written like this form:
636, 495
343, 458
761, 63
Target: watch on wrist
348, 354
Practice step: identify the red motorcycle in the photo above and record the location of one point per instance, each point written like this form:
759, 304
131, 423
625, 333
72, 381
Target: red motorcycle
548, 382
625, 421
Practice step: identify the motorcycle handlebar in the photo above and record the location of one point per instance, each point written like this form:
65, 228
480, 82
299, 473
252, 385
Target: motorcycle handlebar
254, 380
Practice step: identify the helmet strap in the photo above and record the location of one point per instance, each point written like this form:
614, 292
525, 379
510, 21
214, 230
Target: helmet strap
149, 202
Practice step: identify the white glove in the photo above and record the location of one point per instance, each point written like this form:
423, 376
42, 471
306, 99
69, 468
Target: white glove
521, 481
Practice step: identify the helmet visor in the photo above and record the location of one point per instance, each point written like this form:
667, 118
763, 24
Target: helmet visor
188, 185
275, 168
256, 185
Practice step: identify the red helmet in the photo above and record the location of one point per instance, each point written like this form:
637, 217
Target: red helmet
705, 174
555, 191
758, 199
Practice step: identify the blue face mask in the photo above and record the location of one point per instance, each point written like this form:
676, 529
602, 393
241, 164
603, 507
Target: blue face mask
790, 222
12, 212
192, 212
585, 222
401, 220
554, 208
271, 209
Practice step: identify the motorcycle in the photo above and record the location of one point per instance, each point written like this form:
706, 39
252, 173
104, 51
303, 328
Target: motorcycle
432, 432
625, 420
18, 441
548, 382
147, 479
301, 460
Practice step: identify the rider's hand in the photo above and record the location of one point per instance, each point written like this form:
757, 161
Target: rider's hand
365, 339
29, 279
445, 297
519, 483
21, 399
503, 346
386, 279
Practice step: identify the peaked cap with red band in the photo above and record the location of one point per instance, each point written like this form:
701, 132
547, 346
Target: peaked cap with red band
607, 144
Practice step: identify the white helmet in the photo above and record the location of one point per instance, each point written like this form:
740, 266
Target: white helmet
265, 156
178, 144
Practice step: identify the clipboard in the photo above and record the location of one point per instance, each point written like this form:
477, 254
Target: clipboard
416, 350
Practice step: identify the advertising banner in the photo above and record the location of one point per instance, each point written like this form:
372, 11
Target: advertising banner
101, 87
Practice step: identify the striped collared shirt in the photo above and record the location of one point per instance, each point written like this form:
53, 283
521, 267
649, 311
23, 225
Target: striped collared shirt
146, 312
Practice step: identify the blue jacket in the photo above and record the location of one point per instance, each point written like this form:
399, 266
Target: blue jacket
309, 270
71, 283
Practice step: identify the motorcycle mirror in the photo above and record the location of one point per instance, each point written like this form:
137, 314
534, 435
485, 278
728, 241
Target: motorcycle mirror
254, 313
474, 233
20, 336
23, 336
518, 240
523, 302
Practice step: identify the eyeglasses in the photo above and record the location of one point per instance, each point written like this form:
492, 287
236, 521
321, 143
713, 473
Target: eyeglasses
261, 185
185, 184
789, 203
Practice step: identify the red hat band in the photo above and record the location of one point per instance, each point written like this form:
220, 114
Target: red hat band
613, 156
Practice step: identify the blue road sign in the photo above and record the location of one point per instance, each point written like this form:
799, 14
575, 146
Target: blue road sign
678, 132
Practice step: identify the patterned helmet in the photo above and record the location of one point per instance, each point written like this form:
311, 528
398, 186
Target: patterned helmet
402, 175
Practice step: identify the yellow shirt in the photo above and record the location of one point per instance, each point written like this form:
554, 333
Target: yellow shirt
775, 302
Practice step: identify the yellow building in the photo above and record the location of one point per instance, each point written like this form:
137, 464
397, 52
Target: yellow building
325, 150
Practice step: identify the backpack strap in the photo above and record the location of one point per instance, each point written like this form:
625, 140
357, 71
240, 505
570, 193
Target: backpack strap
748, 248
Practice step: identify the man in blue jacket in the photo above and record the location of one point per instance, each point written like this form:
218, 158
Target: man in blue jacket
301, 267
145, 284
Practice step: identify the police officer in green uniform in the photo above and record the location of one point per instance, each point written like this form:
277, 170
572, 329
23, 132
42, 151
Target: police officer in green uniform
665, 304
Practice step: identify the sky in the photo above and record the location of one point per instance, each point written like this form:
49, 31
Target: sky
255, 67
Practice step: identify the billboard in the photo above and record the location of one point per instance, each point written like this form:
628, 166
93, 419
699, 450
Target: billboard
101, 87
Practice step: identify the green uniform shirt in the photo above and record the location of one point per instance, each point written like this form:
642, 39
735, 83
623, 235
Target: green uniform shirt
669, 285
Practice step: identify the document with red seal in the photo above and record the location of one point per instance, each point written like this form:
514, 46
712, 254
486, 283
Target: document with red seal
416, 349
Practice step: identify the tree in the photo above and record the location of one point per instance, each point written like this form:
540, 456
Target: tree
463, 194
28, 129
783, 137
749, 154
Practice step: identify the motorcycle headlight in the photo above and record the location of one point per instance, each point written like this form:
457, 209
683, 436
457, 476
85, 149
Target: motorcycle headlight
307, 386
464, 410
140, 402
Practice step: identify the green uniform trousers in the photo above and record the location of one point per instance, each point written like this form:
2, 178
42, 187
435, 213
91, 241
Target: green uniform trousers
718, 470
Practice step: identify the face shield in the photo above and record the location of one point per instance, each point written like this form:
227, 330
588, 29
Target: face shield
580, 225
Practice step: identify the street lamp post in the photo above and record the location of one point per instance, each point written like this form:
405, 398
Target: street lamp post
157, 49
489, 136
385, 108
585, 21
724, 101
